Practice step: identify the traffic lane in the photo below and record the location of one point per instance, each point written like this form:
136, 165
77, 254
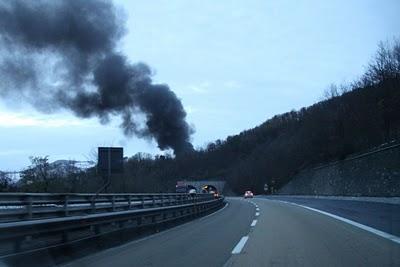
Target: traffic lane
289, 235
206, 241
381, 216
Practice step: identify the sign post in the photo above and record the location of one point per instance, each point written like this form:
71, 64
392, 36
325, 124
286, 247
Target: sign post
265, 187
110, 161
272, 186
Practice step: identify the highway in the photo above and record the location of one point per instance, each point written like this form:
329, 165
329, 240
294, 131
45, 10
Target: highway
256, 232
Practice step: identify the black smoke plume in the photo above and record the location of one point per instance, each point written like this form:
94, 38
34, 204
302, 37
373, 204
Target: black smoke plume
63, 54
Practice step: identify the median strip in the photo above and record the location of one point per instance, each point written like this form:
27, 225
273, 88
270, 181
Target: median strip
238, 248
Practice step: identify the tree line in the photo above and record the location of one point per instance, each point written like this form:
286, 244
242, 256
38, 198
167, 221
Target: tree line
351, 118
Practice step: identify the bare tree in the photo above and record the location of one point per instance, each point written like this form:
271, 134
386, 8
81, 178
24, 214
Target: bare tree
331, 92
5, 182
37, 176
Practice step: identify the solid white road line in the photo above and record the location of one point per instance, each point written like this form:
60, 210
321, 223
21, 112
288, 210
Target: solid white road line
257, 214
391, 237
253, 223
238, 248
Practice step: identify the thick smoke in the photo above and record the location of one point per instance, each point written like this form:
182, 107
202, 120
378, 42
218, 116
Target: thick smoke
62, 54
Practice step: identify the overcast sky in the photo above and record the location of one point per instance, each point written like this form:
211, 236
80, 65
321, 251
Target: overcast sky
234, 64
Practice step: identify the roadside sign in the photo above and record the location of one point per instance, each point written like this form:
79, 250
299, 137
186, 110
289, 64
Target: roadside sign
265, 187
110, 160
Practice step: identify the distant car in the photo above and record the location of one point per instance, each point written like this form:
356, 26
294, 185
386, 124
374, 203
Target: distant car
181, 189
216, 195
192, 192
248, 194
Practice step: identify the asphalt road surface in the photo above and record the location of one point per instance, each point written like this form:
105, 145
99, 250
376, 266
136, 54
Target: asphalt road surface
381, 216
289, 235
206, 241
258, 232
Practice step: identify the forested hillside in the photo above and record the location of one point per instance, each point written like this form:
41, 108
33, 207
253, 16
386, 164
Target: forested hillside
352, 118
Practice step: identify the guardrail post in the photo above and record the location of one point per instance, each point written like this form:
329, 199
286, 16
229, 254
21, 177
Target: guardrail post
113, 202
18, 245
29, 207
64, 236
97, 229
93, 205
142, 199
164, 216
66, 205
129, 202
153, 199
162, 200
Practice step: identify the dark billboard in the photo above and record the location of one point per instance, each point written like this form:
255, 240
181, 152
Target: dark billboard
110, 160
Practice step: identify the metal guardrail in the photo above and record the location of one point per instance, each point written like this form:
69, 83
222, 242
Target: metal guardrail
29, 206
48, 220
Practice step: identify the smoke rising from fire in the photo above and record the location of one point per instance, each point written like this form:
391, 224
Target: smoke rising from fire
63, 55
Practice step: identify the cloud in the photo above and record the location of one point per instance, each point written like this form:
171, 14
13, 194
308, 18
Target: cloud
202, 88
13, 152
190, 109
22, 120
232, 84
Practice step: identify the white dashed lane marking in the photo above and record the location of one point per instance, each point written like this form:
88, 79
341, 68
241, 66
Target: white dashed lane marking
238, 248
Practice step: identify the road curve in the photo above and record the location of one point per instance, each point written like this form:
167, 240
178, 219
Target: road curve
206, 241
289, 235
256, 232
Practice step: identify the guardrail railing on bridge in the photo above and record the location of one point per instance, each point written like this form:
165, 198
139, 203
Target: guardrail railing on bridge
30, 221
28, 206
